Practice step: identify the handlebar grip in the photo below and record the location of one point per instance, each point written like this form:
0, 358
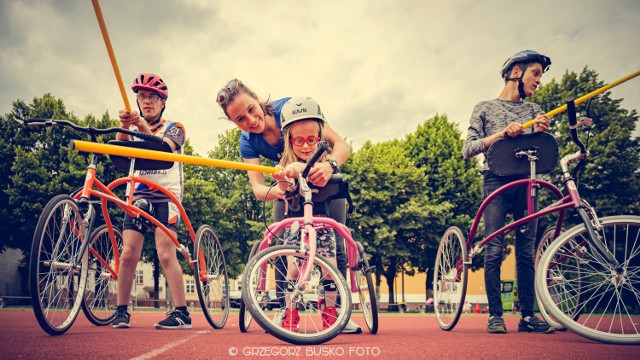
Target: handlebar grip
323, 147
149, 137
573, 121
571, 112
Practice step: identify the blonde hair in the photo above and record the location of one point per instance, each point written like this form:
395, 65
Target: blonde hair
288, 155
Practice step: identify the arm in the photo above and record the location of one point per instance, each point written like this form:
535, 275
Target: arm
256, 179
322, 171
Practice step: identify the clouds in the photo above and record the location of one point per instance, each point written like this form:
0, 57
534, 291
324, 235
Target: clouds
378, 68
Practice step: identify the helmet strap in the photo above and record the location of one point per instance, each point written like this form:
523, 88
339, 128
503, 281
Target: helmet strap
159, 116
521, 92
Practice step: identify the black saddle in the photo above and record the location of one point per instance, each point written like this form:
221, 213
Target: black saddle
123, 163
503, 161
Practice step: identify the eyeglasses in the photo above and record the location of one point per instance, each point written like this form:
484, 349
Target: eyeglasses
151, 98
299, 140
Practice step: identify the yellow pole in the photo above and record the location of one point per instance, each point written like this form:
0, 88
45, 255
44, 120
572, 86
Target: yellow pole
586, 97
129, 152
112, 56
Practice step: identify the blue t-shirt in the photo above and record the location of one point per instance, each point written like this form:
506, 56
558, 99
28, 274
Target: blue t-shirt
253, 145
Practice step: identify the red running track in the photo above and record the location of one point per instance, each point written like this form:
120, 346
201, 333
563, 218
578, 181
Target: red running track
400, 337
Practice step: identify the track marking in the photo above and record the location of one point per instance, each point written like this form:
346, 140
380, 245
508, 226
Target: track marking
169, 346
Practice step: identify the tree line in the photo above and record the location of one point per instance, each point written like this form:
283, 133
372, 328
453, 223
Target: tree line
406, 192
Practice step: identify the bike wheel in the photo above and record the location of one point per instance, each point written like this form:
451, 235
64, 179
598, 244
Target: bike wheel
58, 272
244, 316
101, 291
212, 281
607, 295
545, 241
366, 290
450, 278
259, 277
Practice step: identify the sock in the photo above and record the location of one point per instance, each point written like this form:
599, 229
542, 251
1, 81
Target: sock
526, 318
122, 307
183, 309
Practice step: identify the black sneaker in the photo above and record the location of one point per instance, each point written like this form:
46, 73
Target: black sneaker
496, 325
535, 325
121, 320
175, 320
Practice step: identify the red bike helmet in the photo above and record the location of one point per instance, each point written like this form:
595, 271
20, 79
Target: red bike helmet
153, 82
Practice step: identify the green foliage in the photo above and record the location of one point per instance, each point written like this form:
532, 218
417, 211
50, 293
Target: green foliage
611, 179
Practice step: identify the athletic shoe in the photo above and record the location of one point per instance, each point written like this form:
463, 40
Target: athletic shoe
351, 328
535, 325
278, 316
329, 315
496, 325
175, 320
291, 320
121, 320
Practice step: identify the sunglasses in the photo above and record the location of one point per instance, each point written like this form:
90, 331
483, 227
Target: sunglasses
228, 92
299, 140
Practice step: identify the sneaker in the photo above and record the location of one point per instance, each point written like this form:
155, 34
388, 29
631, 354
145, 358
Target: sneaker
535, 325
351, 328
329, 315
278, 316
175, 320
121, 320
291, 320
496, 325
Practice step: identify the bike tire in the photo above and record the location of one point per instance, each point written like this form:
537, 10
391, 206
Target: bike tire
97, 304
450, 278
605, 292
545, 241
212, 280
58, 270
310, 331
244, 316
366, 291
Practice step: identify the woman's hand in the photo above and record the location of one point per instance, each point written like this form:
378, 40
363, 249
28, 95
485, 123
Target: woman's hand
320, 174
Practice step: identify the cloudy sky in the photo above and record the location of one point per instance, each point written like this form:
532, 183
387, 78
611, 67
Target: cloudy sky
379, 68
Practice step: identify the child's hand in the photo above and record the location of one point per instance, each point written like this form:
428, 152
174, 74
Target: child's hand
514, 129
541, 123
128, 118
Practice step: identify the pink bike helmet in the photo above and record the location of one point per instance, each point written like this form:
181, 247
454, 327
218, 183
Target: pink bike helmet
153, 82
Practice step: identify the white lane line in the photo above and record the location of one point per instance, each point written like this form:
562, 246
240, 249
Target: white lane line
169, 346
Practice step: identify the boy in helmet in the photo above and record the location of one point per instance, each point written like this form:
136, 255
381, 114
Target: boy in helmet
490, 121
151, 97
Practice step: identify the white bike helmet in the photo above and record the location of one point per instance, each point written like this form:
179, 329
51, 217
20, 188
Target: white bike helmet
300, 108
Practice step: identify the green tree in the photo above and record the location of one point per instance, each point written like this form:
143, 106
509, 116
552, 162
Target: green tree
393, 213
611, 178
436, 148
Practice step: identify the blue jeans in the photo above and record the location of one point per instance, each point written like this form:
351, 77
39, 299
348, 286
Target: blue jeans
512, 201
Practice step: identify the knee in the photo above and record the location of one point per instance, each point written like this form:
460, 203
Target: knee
493, 255
128, 257
166, 258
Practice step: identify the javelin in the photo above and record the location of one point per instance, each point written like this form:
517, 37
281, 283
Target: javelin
91, 147
112, 56
586, 97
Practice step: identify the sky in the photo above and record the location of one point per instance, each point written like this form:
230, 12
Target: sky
378, 68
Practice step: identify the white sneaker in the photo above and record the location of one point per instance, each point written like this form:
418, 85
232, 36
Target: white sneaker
278, 316
351, 328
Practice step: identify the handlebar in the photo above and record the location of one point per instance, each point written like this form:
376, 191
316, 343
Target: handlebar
582, 154
92, 131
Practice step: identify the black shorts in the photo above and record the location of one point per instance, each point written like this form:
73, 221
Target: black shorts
165, 212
